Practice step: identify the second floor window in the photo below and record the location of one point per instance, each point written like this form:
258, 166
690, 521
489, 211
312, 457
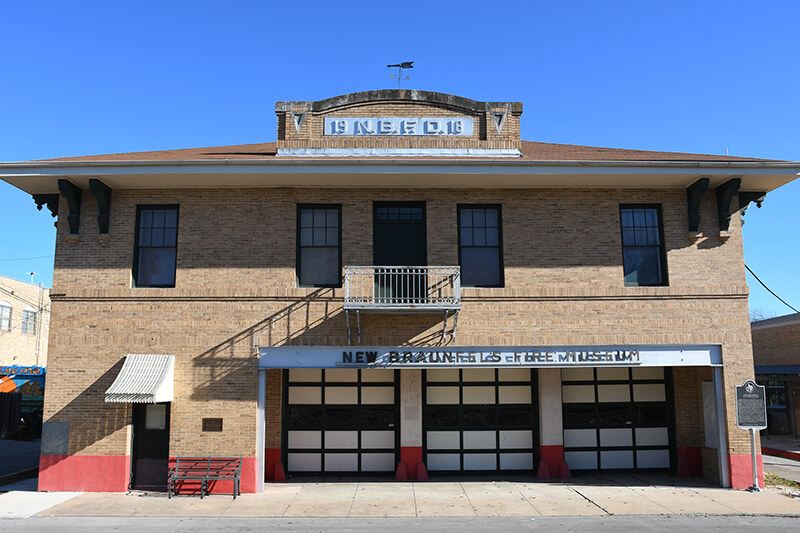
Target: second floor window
5, 317
29, 322
480, 245
643, 257
319, 249
155, 251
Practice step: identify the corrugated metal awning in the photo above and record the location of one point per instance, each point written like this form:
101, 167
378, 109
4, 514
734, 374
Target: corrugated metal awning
144, 378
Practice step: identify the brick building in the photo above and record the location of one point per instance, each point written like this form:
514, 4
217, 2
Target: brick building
24, 323
398, 285
776, 354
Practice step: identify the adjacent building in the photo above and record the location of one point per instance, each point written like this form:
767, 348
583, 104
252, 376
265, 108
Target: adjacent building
24, 323
776, 354
398, 286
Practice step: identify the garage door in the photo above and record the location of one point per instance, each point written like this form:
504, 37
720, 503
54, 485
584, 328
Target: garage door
617, 418
479, 419
341, 420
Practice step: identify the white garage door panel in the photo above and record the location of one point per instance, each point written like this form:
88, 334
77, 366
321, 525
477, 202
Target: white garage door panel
510, 438
341, 462
377, 462
305, 395
341, 395
341, 439
305, 439
581, 460
377, 395
305, 462
377, 439
652, 458
516, 461
442, 440
652, 437
480, 461
616, 459
480, 440
444, 461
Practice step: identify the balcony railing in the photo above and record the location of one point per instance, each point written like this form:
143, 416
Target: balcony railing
402, 288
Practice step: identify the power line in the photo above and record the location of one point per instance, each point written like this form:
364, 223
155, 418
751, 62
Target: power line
28, 258
770, 290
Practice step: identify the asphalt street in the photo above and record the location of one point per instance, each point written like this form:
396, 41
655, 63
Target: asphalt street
619, 524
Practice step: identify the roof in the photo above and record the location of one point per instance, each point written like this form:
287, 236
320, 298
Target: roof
784, 320
531, 151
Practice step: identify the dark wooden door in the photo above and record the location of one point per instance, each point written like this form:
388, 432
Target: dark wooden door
150, 446
399, 239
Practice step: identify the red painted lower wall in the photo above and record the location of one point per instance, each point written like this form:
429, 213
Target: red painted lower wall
742, 471
91, 473
411, 455
553, 454
694, 458
247, 481
271, 458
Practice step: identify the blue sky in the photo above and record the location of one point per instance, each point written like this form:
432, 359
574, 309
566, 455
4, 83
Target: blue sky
85, 77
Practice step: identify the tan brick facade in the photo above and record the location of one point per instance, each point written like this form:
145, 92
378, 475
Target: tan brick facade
236, 290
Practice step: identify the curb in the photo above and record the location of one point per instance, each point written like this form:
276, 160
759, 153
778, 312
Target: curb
781, 453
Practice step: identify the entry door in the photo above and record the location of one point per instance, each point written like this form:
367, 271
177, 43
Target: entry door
479, 419
399, 240
150, 446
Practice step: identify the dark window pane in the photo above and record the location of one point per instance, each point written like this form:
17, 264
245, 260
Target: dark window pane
158, 218
416, 213
480, 266
652, 236
170, 237
156, 266
341, 418
651, 217
305, 416
306, 237
614, 415
466, 237
144, 237
579, 415
641, 236
478, 416
319, 266
147, 218
466, 217
441, 417
478, 217
394, 213
332, 237
627, 218
628, 237
405, 213
377, 418
171, 218
651, 415
332, 218
319, 218
157, 237
306, 218
479, 234
491, 237
516, 417
642, 266
638, 217
319, 236
491, 218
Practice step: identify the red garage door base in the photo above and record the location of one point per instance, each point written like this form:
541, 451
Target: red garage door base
90, 473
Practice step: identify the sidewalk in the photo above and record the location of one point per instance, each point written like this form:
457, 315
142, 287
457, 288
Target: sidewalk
782, 446
593, 497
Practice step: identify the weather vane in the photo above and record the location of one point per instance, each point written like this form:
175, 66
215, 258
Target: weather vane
400, 67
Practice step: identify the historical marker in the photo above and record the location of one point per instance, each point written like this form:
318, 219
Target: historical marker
751, 414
